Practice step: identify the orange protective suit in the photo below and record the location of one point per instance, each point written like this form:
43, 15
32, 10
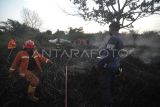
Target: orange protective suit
21, 63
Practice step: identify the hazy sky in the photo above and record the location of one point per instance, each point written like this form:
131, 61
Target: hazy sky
53, 17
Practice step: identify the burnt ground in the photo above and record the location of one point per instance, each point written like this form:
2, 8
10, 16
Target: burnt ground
137, 86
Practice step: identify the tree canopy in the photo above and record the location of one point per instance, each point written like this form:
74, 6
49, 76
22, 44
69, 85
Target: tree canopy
15, 28
125, 12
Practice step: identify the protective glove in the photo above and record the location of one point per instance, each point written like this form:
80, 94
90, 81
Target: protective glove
119, 72
49, 61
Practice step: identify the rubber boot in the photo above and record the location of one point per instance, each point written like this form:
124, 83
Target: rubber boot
31, 93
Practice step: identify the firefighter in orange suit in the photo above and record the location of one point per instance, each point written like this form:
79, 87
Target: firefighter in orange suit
11, 46
26, 61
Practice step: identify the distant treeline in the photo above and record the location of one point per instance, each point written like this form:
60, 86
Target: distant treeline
21, 32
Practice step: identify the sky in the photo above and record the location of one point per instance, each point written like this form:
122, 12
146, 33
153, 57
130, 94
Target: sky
53, 17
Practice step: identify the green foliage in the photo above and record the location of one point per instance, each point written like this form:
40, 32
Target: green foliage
75, 30
16, 28
75, 33
13, 27
21, 33
150, 34
49, 32
59, 34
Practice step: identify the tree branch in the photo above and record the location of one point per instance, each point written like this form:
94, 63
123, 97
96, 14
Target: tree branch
108, 9
113, 8
123, 20
124, 6
118, 5
132, 21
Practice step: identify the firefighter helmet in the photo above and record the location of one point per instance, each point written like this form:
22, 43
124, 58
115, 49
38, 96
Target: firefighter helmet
29, 44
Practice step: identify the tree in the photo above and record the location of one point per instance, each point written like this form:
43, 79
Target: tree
75, 33
48, 32
75, 30
13, 27
135, 36
59, 33
16, 28
125, 12
31, 18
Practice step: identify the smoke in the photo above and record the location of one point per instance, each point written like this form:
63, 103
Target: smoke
145, 48
100, 41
